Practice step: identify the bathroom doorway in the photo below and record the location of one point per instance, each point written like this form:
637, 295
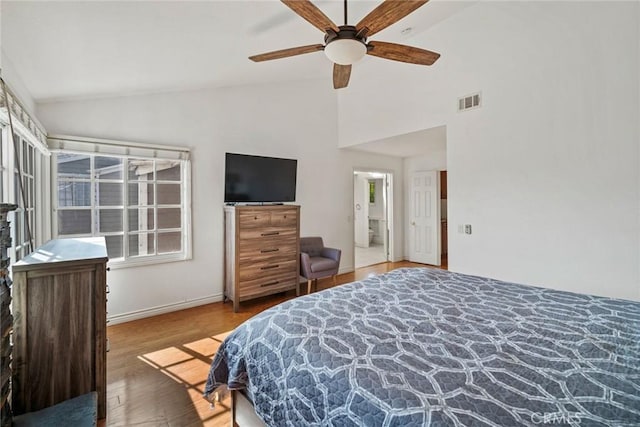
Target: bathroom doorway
372, 217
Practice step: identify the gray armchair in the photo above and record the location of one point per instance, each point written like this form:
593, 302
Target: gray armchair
316, 261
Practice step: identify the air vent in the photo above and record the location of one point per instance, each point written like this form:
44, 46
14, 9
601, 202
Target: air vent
469, 102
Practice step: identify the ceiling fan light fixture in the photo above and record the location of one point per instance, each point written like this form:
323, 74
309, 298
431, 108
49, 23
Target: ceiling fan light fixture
346, 44
345, 51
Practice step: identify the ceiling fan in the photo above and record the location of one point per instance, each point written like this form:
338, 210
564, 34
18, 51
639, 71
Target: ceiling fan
347, 44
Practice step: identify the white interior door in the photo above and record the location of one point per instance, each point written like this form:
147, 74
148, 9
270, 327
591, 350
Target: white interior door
424, 218
361, 210
386, 223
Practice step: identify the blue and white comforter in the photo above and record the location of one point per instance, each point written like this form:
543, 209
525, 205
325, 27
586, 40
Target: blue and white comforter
420, 346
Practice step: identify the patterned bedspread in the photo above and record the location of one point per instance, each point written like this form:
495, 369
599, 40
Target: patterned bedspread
420, 346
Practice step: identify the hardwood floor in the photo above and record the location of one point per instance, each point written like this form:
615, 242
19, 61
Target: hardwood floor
157, 367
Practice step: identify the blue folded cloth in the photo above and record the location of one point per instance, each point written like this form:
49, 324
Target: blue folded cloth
81, 411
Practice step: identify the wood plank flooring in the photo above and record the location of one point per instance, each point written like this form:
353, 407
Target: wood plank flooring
157, 367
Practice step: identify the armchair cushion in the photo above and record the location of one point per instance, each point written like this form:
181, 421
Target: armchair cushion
319, 264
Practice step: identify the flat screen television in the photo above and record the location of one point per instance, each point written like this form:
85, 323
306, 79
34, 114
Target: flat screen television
257, 179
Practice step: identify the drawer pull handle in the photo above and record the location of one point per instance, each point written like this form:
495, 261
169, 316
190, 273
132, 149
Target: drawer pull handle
255, 217
264, 251
275, 282
269, 267
272, 233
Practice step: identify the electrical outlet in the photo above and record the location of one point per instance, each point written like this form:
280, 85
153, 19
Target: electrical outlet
467, 229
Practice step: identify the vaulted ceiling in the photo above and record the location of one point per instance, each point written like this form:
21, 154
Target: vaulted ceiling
83, 49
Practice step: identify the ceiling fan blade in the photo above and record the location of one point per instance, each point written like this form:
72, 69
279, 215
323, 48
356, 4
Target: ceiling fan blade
312, 14
341, 74
284, 53
387, 13
403, 53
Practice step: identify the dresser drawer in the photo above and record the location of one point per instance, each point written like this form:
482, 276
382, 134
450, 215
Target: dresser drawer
266, 232
260, 250
254, 218
266, 286
269, 268
285, 218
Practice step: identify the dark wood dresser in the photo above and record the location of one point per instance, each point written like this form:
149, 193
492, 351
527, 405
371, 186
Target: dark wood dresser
60, 322
262, 251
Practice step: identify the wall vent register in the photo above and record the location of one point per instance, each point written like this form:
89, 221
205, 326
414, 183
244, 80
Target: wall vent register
469, 102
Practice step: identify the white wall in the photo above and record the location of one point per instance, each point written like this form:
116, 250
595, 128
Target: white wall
296, 120
547, 171
15, 84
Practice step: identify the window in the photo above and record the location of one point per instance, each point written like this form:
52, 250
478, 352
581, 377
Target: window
139, 205
25, 192
372, 191
20, 184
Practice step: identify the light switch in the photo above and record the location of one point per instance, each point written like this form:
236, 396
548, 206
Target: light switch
467, 229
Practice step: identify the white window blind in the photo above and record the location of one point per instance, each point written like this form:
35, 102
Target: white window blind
25, 124
117, 148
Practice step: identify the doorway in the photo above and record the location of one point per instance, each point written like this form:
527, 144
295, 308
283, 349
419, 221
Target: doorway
372, 207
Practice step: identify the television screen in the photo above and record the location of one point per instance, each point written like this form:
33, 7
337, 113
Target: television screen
254, 179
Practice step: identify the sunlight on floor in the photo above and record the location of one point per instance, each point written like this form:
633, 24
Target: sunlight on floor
188, 364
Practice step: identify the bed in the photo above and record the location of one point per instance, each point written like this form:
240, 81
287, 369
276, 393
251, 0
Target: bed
421, 346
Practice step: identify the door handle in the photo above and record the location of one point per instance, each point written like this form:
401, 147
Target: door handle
273, 282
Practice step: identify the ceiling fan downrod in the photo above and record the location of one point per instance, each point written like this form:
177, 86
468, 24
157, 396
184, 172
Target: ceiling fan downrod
345, 12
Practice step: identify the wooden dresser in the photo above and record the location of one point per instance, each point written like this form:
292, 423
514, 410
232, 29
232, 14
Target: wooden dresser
262, 251
60, 322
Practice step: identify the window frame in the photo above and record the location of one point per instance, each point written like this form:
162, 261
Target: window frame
38, 174
127, 260
26, 174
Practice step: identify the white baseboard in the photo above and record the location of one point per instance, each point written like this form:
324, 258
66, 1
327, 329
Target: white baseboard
162, 309
348, 269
